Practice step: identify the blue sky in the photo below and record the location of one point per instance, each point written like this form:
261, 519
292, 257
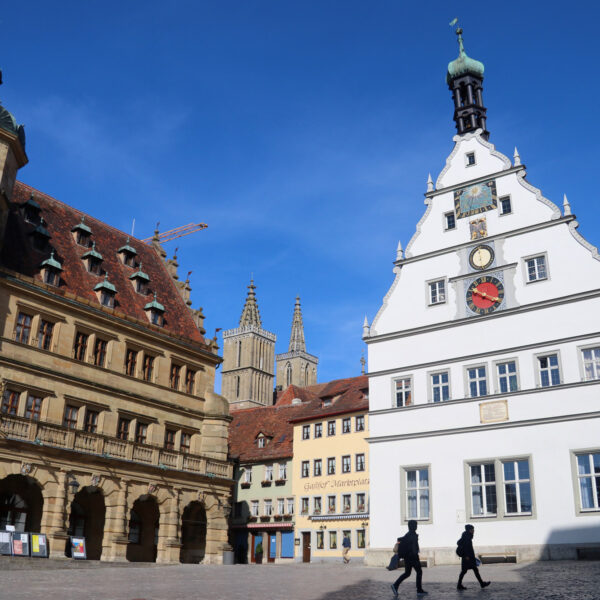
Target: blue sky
301, 132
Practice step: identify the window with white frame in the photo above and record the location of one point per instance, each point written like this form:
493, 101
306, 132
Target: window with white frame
517, 487
417, 493
591, 363
290, 506
268, 472
331, 466
507, 376
549, 370
470, 159
330, 427
360, 502
346, 503
333, 540
318, 430
588, 475
282, 471
346, 427
317, 505
359, 424
304, 506
360, 538
254, 508
536, 268
483, 490
280, 506
403, 390
437, 291
440, 386
477, 380
261, 442
360, 462
268, 508
346, 464
248, 475
449, 221
331, 504
317, 467
505, 205
305, 468
306, 432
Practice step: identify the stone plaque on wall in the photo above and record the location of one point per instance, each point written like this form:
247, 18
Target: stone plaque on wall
493, 412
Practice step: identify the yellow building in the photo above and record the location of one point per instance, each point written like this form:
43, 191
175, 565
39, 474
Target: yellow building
331, 472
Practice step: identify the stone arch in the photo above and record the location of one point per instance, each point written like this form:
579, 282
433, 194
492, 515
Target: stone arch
21, 503
193, 533
86, 518
142, 530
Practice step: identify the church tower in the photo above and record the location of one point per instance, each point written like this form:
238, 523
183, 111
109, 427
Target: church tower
12, 158
248, 359
296, 366
465, 80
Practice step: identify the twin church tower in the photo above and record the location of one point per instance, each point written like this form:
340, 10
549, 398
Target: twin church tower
249, 359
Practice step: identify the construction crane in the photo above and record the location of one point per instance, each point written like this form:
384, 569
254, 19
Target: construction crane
172, 234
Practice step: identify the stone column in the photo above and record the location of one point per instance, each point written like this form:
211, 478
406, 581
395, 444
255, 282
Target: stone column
54, 515
169, 542
114, 545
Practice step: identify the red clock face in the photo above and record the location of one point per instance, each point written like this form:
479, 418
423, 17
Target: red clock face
485, 295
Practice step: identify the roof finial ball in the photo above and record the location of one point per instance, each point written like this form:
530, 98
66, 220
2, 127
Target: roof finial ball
465, 81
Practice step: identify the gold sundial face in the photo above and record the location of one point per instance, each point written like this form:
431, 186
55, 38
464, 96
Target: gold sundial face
481, 257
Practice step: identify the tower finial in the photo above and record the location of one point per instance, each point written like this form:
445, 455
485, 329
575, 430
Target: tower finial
297, 342
366, 327
250, 314
516, 157
399, 251
363, 362
429, 183
566, 206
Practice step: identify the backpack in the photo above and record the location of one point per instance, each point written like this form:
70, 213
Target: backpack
460, 549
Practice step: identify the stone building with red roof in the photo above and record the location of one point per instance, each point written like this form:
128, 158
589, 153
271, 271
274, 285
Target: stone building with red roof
110, 428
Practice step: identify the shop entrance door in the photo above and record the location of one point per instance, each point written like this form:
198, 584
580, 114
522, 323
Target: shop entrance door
272, 547
306, 547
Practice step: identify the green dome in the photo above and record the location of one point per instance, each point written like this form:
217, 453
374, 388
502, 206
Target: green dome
463, 64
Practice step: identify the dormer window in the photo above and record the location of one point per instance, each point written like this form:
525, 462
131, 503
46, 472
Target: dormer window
40, 236
261, 442
127, 254
106, 292
155, 311
140, 281
51, 269
31, 211
94, 260
82, 233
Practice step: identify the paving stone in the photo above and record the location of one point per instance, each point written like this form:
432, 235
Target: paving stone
23, 579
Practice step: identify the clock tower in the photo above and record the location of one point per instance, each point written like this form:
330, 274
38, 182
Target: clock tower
484, 362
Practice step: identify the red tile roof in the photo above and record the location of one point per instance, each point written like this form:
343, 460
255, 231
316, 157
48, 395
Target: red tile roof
20, 255
277, 422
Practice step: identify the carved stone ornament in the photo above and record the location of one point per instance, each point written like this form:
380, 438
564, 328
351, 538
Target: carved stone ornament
26, 468
152, 487
95, 480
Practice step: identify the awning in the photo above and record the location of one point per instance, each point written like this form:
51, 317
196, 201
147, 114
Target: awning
265, 526
343, 517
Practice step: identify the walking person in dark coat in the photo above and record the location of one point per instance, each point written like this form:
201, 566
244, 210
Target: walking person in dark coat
410, 542
468, 560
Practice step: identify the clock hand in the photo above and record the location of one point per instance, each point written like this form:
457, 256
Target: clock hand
485, 295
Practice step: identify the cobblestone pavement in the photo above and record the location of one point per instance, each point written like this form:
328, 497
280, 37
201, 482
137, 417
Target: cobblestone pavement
22, 579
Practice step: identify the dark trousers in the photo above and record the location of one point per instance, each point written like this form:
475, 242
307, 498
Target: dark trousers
410, 564
467, 564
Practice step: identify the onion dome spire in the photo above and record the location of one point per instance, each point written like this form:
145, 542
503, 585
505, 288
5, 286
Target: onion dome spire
297, 342
250, 313
465, 81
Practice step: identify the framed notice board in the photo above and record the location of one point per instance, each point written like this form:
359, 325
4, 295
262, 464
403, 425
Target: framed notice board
20, 544
6, 543
39, 545
77, 547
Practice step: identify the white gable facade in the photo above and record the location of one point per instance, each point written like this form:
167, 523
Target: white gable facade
484, 364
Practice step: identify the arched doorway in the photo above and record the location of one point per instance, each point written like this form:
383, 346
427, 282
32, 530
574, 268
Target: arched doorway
143, 530
87, 520
21, 503
193, 533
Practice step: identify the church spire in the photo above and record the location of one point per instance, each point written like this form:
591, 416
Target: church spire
297, 336
250, 314
465, 81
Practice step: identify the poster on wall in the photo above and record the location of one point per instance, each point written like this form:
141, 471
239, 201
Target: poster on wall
20, 544
77, 547
39, 545
5, 543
